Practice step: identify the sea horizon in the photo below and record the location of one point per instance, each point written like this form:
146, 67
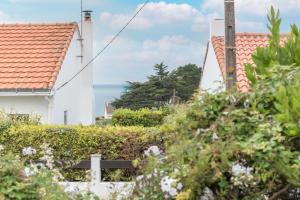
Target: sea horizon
106, 93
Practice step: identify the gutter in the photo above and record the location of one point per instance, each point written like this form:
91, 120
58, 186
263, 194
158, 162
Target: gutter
25, 92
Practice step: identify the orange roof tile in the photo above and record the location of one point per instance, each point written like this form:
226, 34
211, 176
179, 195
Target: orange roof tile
31, 54
246, 44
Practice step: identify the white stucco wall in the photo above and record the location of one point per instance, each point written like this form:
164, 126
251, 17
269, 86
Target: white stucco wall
33, 105
68, 97
76, 97
212, 79
104, 190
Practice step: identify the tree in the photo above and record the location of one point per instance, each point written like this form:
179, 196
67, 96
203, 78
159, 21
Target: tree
186, 80
161, 87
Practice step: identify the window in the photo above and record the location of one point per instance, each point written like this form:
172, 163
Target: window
65, 117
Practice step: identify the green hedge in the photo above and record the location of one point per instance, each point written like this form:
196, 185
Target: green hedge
74, 143
143, 117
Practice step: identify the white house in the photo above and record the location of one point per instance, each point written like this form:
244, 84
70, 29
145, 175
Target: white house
36, 60
108, 111
214, 63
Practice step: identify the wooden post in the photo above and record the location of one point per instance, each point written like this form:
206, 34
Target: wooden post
230, 48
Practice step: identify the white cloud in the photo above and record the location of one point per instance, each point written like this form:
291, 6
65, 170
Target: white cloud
3, 17
164, 13
134, 61
168, 43
119, 20
256, 7
28, 1
256, 26
158, 13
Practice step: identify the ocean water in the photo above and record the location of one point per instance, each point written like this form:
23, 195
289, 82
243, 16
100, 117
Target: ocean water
106, 93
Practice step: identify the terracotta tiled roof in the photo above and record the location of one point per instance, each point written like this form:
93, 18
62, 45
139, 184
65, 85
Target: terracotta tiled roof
246, 44
31, 55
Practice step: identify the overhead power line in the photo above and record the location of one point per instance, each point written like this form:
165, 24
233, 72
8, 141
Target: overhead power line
106, 46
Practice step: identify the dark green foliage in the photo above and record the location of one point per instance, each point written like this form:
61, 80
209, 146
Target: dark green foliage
159, 89
143, 117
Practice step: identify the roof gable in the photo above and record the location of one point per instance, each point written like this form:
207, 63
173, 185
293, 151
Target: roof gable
246, 45
31, 55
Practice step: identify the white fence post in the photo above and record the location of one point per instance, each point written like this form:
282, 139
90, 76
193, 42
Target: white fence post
96, 168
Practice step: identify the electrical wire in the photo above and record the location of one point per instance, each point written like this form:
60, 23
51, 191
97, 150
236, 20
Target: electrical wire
106, 46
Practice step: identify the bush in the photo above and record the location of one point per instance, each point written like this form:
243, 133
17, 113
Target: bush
103, 122
143, 117
234, 145
16, 184
76, 143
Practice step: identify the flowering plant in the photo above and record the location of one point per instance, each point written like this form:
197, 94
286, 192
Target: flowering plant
233, 145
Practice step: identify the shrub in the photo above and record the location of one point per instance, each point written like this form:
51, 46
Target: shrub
75, 143
232, 145
143, 117
103, 122
16, 184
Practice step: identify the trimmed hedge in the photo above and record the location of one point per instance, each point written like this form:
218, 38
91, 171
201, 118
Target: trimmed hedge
75, 143
143, 117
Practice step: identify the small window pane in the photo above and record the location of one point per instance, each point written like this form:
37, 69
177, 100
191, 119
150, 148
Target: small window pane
65, 117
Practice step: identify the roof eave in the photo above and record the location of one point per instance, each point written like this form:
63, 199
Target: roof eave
25, 92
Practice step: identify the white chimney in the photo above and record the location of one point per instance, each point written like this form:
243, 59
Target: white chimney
217, 28
87, 36
87, 92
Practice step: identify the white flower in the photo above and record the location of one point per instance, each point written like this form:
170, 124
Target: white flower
167, 186
29, 171
173, 192
48, 159
28, 151
1, 147
152, 151
139, 178
215, 137
179, 186
239, 169
207, 194
242, 175
225, 113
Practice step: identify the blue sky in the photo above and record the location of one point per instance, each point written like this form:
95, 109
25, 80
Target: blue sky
172, 31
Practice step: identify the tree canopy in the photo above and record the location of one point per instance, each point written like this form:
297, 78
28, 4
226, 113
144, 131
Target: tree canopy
161, 88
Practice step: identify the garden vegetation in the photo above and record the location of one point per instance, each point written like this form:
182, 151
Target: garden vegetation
71, 144
142, 117
232, 145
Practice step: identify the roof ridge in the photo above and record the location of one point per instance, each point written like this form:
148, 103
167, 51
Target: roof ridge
259, 33
251, 34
